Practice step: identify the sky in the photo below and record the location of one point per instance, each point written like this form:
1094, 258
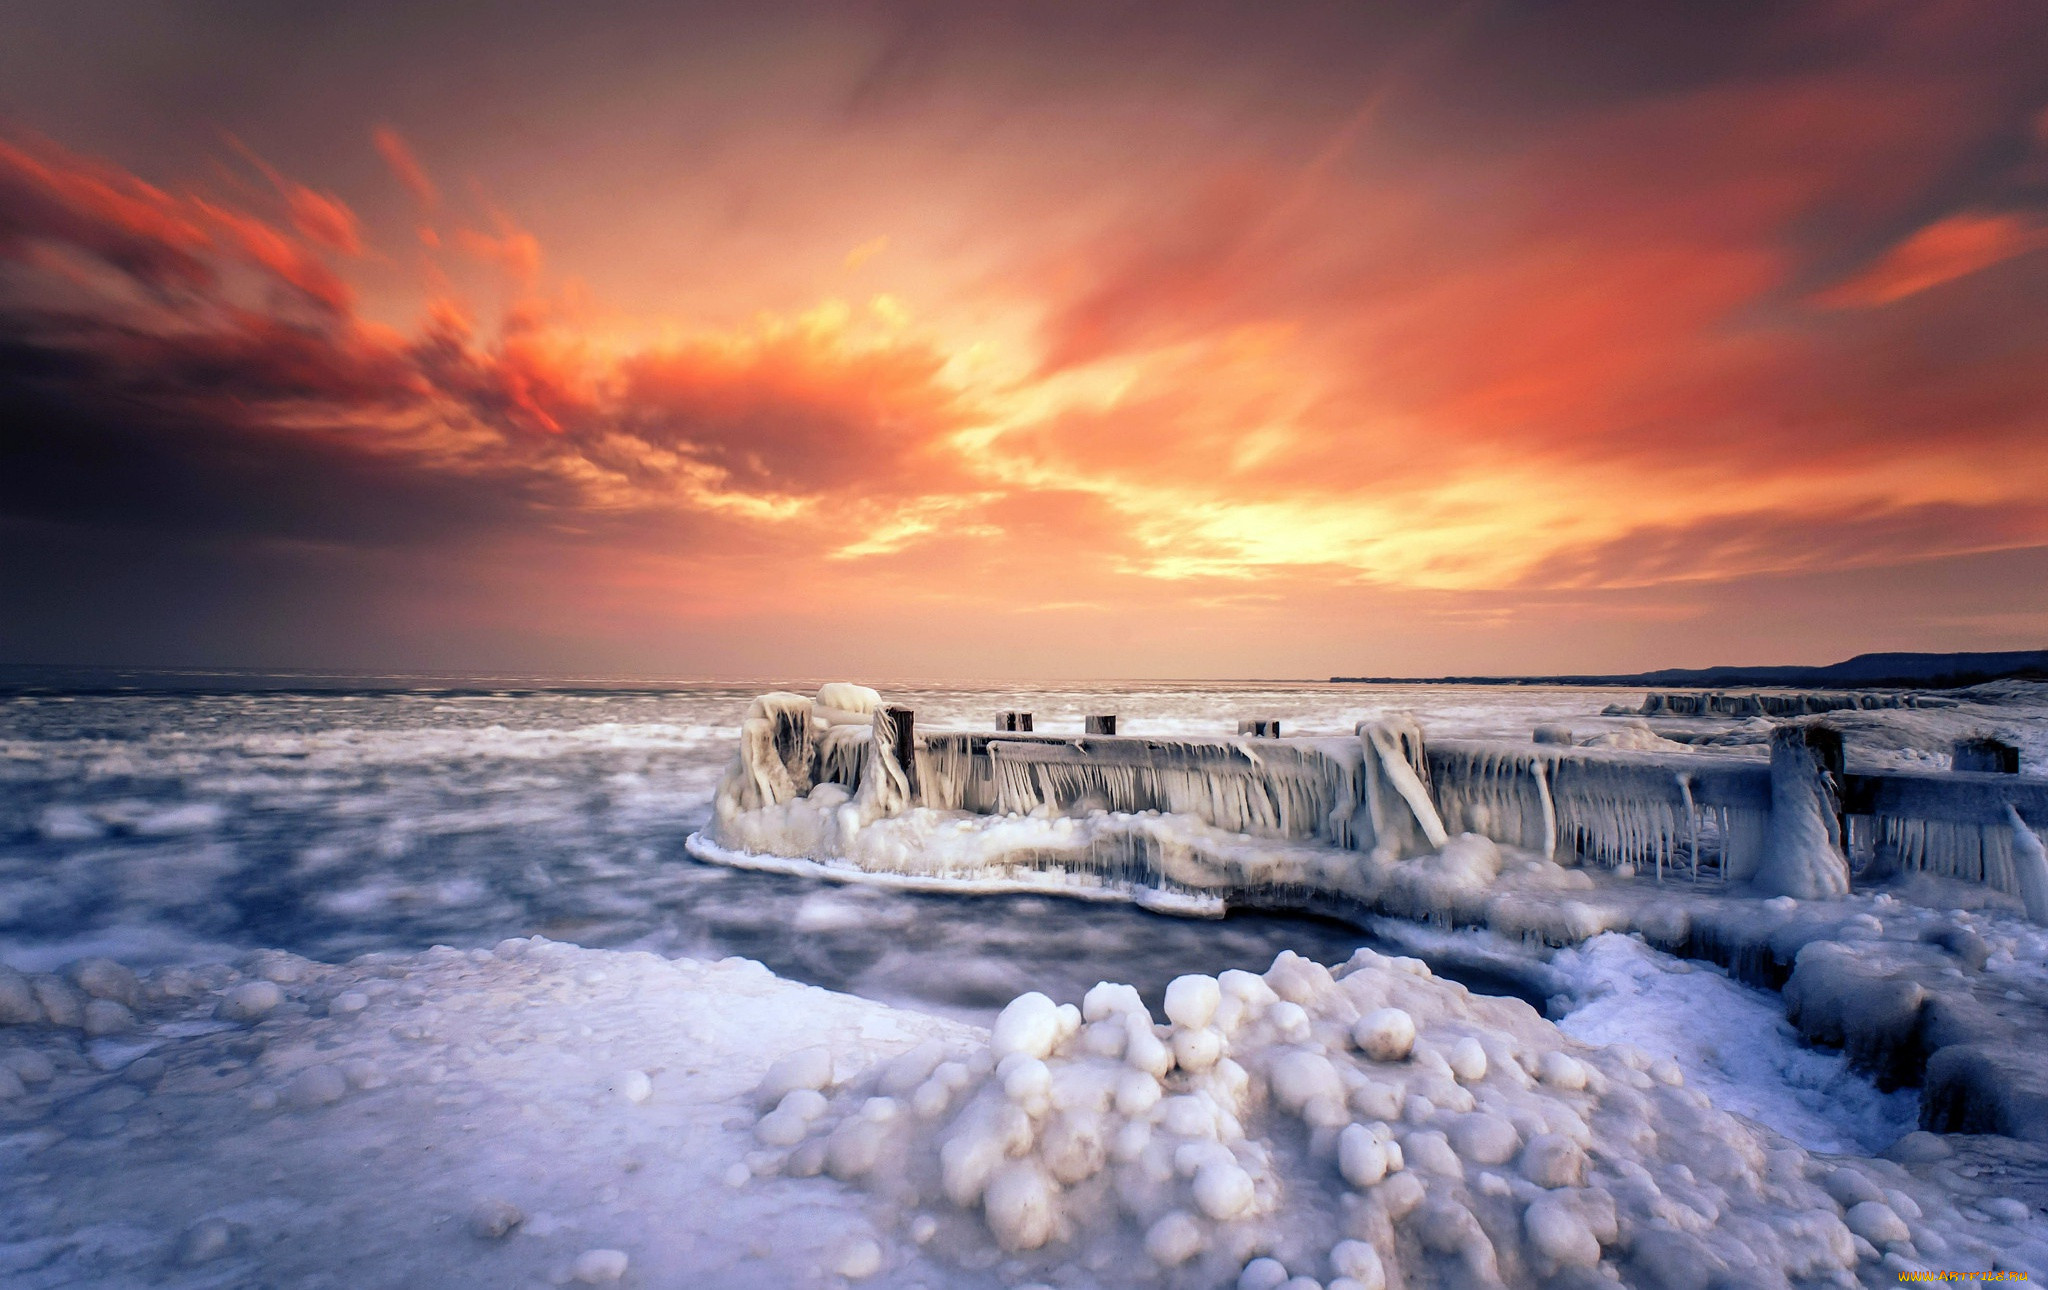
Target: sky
1021, 341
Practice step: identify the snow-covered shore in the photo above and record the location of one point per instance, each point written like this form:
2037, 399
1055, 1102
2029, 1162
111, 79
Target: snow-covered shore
528, 1115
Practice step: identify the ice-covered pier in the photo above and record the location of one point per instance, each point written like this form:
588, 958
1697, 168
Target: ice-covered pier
1780, 869
1800, 824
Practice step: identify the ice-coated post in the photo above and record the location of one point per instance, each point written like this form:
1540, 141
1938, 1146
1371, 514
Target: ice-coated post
1014, 721
1987, 756
904, 721
1102, 725
1552, 733
1260, 727
1805, 857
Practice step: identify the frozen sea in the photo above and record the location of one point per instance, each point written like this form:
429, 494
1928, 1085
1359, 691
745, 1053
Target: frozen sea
193, 819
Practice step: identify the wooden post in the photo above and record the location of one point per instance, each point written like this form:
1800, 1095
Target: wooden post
1987, 755
1018, 721
1552, 733
905, 720
1103, 725
1805, 856
1260, 727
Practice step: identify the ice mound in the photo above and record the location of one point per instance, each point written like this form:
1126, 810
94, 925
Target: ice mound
1372, 1123
541, 1114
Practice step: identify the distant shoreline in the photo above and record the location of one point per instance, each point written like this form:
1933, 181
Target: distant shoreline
1865, 671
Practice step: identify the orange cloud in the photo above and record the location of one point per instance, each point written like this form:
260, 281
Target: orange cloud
511, 248
1228, 356
1948, 249
398, 155
325, 219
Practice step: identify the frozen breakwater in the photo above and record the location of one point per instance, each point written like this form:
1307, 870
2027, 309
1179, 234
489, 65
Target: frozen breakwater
1900, 912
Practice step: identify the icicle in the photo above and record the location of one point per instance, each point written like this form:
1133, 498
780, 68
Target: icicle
1542, 773
1692, 829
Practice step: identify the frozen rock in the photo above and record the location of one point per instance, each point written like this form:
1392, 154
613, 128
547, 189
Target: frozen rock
1559, 1233
18, 1006
1174, 1239
1301, 1077
1360, 1262
1850, 1187
1019, 1205
1399, 1195
1222, 1190
1385, 1034
492, 1219
1136, 1093
1430, 1151
1289, 1021
1030, 1024
11, 1085
901, 1075
348, 1003
1553, 1160
249, 1001
1877, 1223
1262, 1274
599, 1267
1561, 1071
1467, 1060
854, 1146
106, 1017
105, 979
1191, 1001
1484, 1138
63, 1004
1197, 1050
1361, 1156
805, 1068
781, 1128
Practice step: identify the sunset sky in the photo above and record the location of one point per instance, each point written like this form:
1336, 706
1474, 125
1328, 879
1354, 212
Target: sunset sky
1045, 340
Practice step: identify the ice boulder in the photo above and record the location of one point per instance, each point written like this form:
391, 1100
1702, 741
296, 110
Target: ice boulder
1385, 1034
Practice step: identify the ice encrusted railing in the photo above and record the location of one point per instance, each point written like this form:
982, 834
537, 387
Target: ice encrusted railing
1703, 818
1302, 788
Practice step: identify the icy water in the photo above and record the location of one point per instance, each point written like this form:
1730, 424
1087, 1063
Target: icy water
179, 826
334, 818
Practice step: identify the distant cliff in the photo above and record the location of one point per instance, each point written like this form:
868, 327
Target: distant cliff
1918, 671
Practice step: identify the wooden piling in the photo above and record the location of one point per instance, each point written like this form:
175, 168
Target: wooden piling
1260, 727
1014, 721
905, 749
1805, 855
1102, 725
